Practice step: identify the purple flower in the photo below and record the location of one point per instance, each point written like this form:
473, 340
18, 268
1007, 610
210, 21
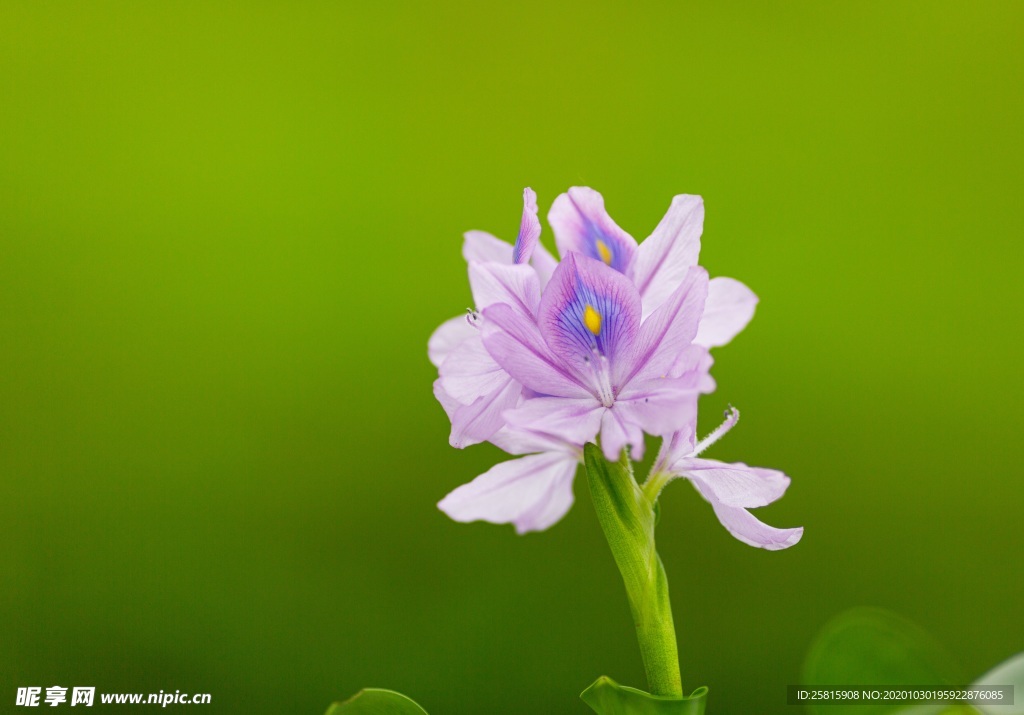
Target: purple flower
592, 362
611, 342
731, 489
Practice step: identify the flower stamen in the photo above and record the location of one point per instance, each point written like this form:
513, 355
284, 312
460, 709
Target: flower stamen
732, 416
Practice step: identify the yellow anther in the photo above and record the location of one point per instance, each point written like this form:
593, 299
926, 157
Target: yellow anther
592, 319
606, 253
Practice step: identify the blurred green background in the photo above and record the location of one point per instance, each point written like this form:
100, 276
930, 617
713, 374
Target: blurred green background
227, 230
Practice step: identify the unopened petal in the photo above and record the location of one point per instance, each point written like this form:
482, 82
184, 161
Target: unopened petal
581, 225
529, 229
729, 307
531, 492
664, 257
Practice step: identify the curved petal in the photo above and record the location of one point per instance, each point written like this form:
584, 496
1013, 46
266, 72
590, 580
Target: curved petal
745, 526
753, 532
531, 492
482, 247
516, 344
587, 311
470, 372
582, 225
670, 330
733, 484
573, 421
450, 334
529, 229
663, 259
515, 285
729, 307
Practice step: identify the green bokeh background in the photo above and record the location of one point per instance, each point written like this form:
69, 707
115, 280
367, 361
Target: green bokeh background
226, 232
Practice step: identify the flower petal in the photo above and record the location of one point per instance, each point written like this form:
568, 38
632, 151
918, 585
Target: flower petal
544, 263
729, 307
516, 344
659, 406
515, 285
470, 372
750, 530
529, 229
582, 225
572, 421
482, 247
447, 337
670, 329
663, 259
515, 440
589, 307
732, 484
477, 422
618, 431
740, 522
531, 492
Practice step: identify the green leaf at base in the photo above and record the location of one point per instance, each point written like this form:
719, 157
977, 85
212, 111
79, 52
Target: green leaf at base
375, 701
606, 697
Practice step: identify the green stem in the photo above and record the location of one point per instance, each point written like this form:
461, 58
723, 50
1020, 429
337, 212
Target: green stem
627, 519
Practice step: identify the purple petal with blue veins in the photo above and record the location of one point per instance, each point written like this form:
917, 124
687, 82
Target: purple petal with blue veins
589, 311
581, 225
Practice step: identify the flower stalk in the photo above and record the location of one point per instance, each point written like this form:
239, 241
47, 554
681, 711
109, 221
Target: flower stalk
627, 517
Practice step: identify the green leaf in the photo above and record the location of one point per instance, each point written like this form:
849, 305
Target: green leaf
627, 518
375, 701
865, 647
607, 697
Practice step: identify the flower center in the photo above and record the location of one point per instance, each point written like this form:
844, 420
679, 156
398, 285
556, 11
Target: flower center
602, 378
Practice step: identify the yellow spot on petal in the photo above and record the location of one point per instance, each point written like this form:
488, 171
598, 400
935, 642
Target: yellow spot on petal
605, 252
592, 319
